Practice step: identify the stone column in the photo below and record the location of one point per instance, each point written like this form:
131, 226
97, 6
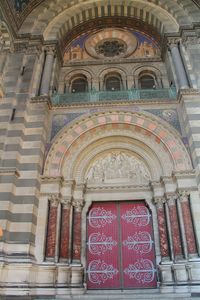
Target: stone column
52, 227
178, 64
188, 224
65, 227
47, 72
76, 247
175, 231
162, 227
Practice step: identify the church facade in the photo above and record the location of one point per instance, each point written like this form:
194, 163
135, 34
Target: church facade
99, 149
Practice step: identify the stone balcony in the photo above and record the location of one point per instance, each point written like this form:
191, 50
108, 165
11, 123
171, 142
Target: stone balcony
132, 95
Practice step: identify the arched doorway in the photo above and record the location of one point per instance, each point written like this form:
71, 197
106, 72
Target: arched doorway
120, 246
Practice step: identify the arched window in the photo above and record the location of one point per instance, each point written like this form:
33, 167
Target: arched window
147, 82
79, 85
113, 82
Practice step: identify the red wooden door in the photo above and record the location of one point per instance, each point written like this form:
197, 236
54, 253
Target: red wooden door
120, 247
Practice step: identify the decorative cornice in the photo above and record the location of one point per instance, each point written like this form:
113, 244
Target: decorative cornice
41, 99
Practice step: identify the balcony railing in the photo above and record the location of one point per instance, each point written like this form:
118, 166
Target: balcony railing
124, 95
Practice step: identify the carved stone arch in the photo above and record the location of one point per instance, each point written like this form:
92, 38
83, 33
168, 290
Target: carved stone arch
113, 70
67, 78
163, 141
160, 12
78, 165
148, 70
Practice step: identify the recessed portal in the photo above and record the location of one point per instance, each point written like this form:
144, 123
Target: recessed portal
120, 246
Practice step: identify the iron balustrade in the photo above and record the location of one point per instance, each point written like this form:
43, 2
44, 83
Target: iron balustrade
123, 95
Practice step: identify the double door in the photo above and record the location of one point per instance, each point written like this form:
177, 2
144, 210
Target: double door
120, 246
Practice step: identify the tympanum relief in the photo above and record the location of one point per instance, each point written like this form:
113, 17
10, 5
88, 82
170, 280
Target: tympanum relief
118, 167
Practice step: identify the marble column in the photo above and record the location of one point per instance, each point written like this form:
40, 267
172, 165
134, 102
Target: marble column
175, 231
179, 67
47, 72
65, 229
162, 227
187, 222
76, 247
52, 227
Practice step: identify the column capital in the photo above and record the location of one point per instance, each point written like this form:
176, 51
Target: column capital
50, 49
171, 198
54, 200
159, 201
78, 204
173, 42
183, 195
66, 202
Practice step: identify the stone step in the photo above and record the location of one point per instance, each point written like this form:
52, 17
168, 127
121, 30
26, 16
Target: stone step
128, 296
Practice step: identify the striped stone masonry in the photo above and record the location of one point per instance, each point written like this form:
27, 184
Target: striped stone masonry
190, 111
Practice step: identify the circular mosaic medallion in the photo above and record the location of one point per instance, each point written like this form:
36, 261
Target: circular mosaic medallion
111, 43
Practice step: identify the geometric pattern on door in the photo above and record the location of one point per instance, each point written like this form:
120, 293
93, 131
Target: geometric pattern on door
120, 246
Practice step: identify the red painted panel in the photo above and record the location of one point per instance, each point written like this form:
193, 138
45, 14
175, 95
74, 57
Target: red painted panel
137, 246
120, 247
102, 255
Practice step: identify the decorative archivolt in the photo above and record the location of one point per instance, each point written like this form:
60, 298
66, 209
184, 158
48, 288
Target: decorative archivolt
82, 141
67, 14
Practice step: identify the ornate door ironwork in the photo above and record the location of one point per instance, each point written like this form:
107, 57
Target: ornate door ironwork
120, 246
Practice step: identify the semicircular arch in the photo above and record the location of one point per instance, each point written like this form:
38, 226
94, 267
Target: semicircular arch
162, 141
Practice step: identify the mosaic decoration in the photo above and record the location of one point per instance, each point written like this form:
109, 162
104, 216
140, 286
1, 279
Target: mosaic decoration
21, 4
169, 115
105, 43
19, 10
60, 120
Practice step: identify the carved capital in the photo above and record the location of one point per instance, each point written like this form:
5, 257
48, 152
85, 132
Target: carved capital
78, 204
159, 201
66, 202
171, 199
50, 50
54, 200
173, 42
183, 196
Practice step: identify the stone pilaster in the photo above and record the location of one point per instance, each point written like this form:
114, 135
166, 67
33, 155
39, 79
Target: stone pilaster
51, 227
162, 227
175, 231
65, 228
76, 253
178, 64
187, 221
48, 66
